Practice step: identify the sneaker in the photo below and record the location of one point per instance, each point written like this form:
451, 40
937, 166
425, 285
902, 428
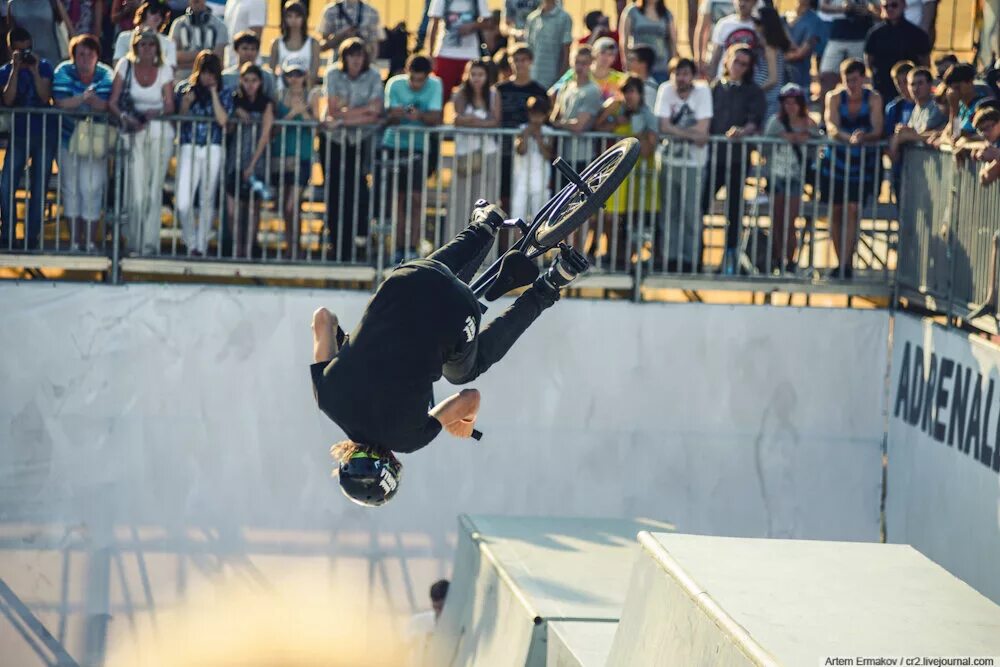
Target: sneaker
567, 266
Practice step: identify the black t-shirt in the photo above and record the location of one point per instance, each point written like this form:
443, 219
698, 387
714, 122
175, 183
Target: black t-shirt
378, 389
888, 44
514, 101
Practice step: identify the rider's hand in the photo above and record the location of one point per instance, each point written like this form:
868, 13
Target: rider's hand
462, 428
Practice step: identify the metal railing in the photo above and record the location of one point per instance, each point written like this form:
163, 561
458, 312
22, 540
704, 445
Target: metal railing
353, 202
949, 243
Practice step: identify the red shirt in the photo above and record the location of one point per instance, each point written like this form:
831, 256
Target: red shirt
613, 35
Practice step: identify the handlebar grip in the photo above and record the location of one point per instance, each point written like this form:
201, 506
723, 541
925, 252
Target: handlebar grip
477, 434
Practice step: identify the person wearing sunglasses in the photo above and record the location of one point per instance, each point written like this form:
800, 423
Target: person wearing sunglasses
893, 40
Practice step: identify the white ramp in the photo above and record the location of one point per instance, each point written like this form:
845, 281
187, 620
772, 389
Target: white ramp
578, 643
515, 575
718, 601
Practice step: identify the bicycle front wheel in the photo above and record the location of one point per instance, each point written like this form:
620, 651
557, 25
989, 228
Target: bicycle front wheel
571, 207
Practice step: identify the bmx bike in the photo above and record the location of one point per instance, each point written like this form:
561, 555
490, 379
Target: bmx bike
559, 217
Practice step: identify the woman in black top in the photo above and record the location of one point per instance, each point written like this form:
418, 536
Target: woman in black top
245, 169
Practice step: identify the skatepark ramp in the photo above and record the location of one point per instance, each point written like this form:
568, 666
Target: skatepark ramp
514, 578
553, 592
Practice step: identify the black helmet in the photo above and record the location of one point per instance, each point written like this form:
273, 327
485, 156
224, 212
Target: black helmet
370, 478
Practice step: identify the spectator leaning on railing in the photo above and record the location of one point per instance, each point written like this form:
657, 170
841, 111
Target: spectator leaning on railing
892, 41
83, 84
987, 123
355, 97
142, 92
514, 96
246, 175
963, 99
739, 108
477, 105
898, 110
548, 32
926, 118
787, 165
26, 82
685, 112
292, 147
196, 30
626, 115
576, 108
152, 15
413, 104
247, 47
199, 151
854, 120
533, 152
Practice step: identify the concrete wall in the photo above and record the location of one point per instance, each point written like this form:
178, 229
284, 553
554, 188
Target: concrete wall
156, 438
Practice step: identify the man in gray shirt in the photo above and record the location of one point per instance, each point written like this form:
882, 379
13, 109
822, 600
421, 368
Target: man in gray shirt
578, 104
195, 30
926, 118
548, 31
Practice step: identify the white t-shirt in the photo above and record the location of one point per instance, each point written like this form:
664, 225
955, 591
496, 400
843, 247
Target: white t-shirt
684, 113
240, 15
732, 30
168, 49
914, 10
146, 99
449, 43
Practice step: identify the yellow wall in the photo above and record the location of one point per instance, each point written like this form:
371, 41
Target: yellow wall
955, 17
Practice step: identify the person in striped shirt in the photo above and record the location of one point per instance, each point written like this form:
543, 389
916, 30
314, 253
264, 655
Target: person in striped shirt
83, 84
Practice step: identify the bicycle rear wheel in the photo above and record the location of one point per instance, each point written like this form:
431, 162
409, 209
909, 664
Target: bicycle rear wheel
571, 206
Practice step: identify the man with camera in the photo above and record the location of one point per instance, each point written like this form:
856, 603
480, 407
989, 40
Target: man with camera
26, 82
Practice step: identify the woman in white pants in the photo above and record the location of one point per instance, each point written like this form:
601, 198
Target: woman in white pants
83, 84
144, 79
200, 154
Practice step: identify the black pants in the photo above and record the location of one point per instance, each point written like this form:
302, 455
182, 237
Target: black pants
345, 177
727, 167
463, 255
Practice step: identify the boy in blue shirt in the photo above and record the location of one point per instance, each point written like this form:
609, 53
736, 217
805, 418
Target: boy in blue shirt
413, 102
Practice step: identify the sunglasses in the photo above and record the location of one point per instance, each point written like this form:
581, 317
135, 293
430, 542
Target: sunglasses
891, 5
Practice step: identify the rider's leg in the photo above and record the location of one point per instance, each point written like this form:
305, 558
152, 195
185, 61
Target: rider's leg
465, 253
474, 357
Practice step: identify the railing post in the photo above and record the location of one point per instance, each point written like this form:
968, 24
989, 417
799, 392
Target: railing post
951, 224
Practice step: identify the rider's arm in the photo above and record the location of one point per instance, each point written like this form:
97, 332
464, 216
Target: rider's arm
457, 413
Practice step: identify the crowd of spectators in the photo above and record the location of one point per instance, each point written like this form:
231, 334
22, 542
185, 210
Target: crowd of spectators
746, 95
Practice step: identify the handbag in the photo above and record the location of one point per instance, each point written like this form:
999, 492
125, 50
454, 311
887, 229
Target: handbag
469, 163
91, 140
125, 102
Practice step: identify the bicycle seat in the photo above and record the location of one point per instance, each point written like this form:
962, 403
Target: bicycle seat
516, 270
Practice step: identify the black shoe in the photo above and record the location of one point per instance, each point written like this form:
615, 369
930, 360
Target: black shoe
568, 265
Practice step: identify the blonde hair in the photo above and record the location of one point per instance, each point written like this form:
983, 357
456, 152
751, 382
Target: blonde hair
137, 35
342, 452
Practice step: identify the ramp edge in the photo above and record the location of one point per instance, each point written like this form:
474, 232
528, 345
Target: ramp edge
733, 630
484, 549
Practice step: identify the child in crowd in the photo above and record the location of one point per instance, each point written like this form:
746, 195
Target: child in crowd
532, 153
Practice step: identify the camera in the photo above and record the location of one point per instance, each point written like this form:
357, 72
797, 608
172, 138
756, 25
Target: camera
28, 58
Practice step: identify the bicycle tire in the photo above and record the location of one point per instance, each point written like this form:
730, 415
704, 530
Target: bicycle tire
549, 233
